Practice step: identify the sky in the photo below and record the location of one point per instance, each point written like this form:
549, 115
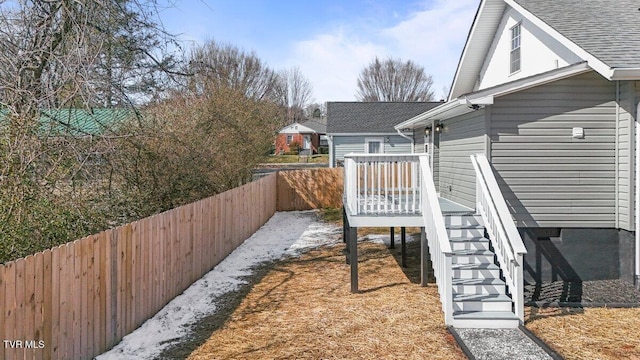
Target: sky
331, 41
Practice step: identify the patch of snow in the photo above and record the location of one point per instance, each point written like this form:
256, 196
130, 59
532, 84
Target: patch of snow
285, 234
386, 238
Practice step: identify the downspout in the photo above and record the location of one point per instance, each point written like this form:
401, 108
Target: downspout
332, 151
399, 131
637, 202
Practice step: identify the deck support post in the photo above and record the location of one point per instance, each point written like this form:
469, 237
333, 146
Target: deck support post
353, 257
392, 238
424, 258
345, 220
345, 234
403, 249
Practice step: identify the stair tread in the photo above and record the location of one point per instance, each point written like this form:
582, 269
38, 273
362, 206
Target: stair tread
465, 226
482, 266
482, 297
468, 239
473, 252
502, 315
484, 281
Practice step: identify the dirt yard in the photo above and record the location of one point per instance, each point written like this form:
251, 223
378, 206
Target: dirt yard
589, 333
302, 309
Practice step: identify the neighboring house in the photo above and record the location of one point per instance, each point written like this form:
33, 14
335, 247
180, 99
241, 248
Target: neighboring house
306, 134
368, 127
535, 161
549, 91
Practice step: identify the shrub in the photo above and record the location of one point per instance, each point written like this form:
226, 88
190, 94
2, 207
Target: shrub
294, 147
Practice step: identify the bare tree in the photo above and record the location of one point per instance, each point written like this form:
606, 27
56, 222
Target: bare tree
394, 80
61, 53
315, 110
296, 93
66, 54
216, 65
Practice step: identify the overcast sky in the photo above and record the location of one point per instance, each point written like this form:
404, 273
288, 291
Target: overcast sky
331, 41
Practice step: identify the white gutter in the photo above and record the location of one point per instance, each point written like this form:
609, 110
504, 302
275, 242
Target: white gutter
429, 114
332, 151
626, 74
475, 100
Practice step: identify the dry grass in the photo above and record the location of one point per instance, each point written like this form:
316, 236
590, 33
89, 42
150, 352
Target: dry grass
590, 333
303, 309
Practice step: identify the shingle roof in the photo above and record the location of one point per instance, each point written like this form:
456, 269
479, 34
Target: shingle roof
317, 124
608, 30
371, 117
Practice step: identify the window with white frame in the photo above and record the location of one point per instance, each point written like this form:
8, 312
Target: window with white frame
515, 49
374, 145
289, 139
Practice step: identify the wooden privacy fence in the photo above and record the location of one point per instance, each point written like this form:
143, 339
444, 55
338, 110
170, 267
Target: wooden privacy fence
310, 189
79, 299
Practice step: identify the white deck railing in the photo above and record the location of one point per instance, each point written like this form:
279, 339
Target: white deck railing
377, 184
504, 236
437, 238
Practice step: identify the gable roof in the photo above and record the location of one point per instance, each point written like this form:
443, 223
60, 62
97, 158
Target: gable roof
602, 32
296, 128
371, 117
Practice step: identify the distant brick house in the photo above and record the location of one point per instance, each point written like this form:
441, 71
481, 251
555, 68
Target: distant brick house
309, 135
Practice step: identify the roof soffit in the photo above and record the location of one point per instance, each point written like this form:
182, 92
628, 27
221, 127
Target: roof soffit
475, 50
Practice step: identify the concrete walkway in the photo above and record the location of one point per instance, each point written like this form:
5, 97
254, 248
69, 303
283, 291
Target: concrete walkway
496, 344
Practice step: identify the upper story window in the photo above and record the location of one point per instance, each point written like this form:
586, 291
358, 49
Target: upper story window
515, 49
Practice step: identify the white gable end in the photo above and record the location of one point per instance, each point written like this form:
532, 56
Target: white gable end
296, 128
539, 52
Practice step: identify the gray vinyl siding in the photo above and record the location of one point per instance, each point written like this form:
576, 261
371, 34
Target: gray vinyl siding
355, 144
548, 178
461, 137
625, 151
418, 140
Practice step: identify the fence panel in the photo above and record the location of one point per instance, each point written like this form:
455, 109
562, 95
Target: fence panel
309, 189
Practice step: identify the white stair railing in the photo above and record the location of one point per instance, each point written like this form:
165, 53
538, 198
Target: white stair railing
504, 236
437, 238
377, 184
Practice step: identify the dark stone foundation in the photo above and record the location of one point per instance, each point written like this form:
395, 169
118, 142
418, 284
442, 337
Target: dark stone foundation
565, 265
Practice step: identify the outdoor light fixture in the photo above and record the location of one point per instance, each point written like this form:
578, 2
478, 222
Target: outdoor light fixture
427, 130
438, 128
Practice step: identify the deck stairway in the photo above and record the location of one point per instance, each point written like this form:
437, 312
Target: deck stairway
480, 296
476, 254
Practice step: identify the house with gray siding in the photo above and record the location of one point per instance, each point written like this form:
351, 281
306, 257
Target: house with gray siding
549, 92
525, 182
368, 127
